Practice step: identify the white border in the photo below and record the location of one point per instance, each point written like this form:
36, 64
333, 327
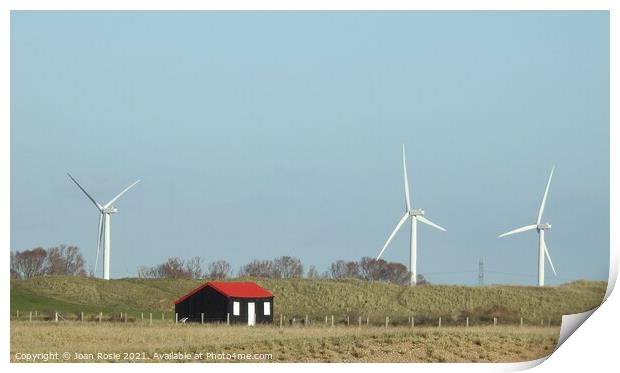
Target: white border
592, 345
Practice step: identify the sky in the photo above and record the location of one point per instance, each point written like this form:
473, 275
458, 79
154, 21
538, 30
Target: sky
262, 134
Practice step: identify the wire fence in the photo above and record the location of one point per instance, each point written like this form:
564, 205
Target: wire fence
282, 320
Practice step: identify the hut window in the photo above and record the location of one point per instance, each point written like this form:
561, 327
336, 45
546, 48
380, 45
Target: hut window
266, 308
235, 308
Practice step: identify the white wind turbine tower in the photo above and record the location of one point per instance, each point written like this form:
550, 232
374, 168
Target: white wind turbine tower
105, 212
415, 215
541, 228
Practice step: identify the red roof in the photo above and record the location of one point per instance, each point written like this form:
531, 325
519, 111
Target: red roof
231, 289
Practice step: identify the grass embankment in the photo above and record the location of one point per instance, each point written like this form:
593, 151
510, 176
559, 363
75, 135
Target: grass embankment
289, 344
317, 298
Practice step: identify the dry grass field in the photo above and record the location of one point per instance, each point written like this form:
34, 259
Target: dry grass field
140, 342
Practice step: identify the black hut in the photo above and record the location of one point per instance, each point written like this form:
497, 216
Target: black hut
237, 302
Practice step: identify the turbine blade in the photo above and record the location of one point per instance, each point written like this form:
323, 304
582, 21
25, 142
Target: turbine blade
544, 200
400, 224
428, 222
120, 194
518, 230
83, 190
407, 197
549, 258
99, 234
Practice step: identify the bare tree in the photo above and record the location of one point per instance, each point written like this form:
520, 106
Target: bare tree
372, 269
336, 269
193, 267
60, 260
396, 273
14, 273
341, 269
172, 268
175, 267
352, 270
65, 260
30, 263
218, 270
258, 268
287, 267
312, 272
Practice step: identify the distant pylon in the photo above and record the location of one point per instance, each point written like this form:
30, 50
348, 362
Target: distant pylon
481, 272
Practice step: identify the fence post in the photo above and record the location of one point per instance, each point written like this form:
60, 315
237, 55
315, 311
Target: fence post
202, 318
150, 318
325, 320
542, 322
549, 322
494, 321
162, 316
387, 321
176, 317
55, 316
141, 316
306, 321
17, 314
332, 321
412, 322
347, 320
82, 316
121, 315
280, 321
439, 325
467, 322
359, 322
228, 318
100, 317
30, 317
521, 323
367, 320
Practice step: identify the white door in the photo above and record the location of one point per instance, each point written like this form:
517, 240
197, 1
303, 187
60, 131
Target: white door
251, 314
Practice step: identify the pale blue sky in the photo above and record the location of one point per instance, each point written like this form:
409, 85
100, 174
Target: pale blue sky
261, 134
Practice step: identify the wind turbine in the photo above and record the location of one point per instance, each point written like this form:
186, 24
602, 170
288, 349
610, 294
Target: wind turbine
105, 212
415, 215
541, 228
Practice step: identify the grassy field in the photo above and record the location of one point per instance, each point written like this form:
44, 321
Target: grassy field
296, 343
316, 298
142, 342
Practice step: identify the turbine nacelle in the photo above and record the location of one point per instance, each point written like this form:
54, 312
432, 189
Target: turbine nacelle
416, 212
545, 226
109, 210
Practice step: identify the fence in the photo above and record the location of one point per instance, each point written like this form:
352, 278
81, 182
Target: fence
332, 320
329, 321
